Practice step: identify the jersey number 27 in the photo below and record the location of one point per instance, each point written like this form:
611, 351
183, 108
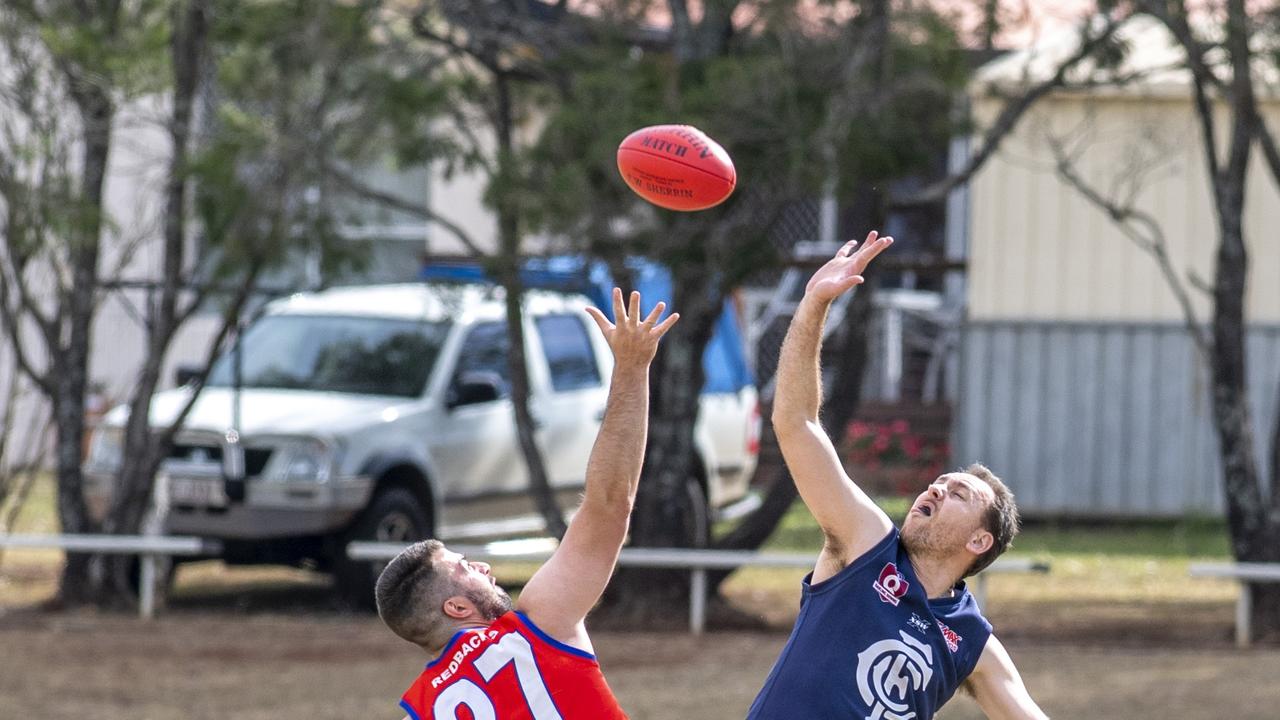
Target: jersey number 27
512, 648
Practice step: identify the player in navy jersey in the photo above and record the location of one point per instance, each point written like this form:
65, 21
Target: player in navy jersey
532, 660
887, 629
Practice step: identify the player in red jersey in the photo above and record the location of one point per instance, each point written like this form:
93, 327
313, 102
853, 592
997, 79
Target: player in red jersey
532, 660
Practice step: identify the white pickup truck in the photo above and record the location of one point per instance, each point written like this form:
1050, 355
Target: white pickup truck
383, 413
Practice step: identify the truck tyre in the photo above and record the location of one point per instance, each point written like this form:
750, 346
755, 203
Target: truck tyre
695, 516
394, 516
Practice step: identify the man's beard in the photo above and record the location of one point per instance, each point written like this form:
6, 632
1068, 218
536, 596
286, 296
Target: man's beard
923, 542
492, 605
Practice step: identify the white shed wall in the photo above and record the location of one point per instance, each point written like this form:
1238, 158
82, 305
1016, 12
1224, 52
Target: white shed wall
1038, 250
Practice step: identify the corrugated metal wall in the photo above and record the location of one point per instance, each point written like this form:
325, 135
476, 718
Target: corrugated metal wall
1096, 419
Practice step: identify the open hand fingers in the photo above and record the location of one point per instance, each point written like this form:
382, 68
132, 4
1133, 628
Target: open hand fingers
655, 313
602, 322
619, 313
665, 325
633, 308
873, 247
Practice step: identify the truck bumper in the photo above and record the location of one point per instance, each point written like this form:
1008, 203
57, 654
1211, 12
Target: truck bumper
269, 510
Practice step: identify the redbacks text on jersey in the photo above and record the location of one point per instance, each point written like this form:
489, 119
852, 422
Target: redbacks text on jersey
511, 670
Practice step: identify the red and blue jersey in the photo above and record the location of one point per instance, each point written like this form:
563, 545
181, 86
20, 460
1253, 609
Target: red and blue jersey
870, 643
511, 670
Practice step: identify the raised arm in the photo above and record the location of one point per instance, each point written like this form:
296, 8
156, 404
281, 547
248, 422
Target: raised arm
998, 688
559, 595
851, 523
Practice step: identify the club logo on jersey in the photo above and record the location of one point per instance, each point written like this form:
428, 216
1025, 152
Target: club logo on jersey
919, 623
890, 672
950, 636
891, 586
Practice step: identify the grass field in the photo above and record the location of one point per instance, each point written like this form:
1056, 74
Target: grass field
1116, 630
1135, 562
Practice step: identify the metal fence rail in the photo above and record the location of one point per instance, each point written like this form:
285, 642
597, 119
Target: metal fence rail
698, 562
1244, 573
149, 548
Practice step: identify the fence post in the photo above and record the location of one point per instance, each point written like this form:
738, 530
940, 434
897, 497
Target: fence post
152, 526
1244, 613
698, 600
980, 589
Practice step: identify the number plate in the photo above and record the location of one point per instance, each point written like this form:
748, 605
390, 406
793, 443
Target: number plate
201, 492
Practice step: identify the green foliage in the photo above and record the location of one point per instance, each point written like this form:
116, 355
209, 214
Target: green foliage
765, 98
122, 46
294, 92
304, 90
57, 56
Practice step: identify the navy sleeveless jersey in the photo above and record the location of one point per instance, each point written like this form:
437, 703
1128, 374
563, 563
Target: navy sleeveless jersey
869, 643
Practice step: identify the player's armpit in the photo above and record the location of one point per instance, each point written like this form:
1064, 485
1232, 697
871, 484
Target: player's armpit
851, 522
998, 689
568, 585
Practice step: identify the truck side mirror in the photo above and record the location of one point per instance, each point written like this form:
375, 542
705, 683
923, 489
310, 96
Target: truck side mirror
185, 374
474, 386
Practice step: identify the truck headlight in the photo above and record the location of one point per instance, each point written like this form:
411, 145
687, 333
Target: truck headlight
106, 449
308, 459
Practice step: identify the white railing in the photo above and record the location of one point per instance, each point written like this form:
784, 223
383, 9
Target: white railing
149, 548
698, 562
1244, 573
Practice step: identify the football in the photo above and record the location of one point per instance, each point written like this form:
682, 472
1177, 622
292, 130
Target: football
676, 167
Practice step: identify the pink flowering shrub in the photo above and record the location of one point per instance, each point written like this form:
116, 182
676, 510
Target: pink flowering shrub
888, 457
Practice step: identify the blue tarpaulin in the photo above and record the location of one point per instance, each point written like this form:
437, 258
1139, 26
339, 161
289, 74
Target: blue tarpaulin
724, 361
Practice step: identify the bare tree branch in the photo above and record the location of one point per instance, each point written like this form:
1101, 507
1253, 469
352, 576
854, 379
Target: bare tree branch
1195, 280
1202, 78
1269, 149
352, 184
423, 29
230, 321
1145, 232
1009, 116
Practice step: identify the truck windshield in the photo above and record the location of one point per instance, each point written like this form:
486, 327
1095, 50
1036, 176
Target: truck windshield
365, 355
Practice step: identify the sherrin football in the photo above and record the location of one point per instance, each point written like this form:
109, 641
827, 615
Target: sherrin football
676, 167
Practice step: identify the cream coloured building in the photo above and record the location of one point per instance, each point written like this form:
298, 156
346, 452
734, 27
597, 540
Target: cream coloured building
1077, 378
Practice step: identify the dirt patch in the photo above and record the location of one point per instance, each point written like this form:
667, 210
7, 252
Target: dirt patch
196, 663
271, 644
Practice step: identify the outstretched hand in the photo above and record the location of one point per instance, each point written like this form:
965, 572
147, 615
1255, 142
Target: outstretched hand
633, 341
845, 269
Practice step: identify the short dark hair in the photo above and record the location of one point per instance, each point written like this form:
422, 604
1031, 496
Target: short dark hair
410, 595
1000, 518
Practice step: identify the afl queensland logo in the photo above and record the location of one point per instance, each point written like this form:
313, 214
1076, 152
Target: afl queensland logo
890, 672
891, 586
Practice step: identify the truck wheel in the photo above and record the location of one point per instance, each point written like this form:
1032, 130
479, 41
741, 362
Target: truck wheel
394, 516
695, 516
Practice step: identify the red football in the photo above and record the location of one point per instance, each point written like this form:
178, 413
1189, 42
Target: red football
676, 167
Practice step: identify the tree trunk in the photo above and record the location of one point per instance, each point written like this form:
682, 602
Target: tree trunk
1245, 510
1265, 617
1255, 529
1274, 484
671, 508
539, 484
508, 274
71, 362
143, 449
